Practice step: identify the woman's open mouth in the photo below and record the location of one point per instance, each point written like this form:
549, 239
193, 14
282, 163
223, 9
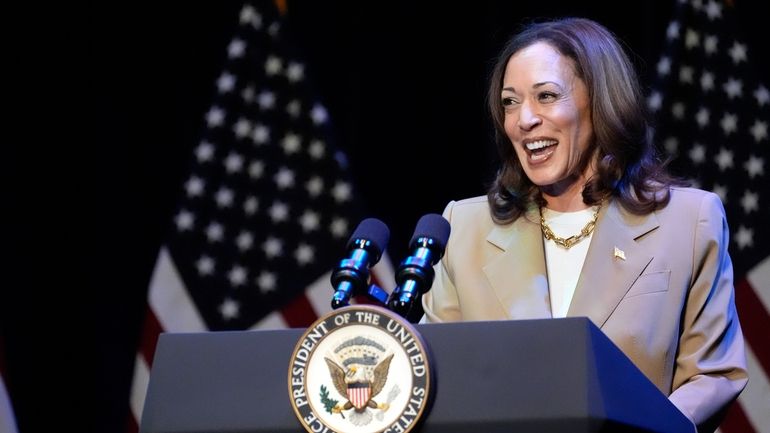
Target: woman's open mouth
540, 150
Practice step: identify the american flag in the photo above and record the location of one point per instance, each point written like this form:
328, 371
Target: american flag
712, 113
266, 209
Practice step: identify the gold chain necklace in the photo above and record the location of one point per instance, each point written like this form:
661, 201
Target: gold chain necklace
574, 239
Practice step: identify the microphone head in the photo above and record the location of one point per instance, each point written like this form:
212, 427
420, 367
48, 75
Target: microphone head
374, 231
435, 227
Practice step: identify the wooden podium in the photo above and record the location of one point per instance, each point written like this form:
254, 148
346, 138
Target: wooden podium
539, 376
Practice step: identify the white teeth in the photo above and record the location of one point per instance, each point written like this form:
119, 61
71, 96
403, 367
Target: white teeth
539, 144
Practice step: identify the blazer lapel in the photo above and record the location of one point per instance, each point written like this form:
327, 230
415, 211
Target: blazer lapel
518, 274
613, 262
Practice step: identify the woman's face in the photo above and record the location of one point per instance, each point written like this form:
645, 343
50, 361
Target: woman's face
547, 117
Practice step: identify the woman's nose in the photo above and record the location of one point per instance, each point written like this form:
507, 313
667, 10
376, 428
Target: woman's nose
528, 117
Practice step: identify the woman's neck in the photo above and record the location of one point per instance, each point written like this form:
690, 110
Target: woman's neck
567, 196
564, 203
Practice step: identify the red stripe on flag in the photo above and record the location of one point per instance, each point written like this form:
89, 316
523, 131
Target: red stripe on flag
736, 421
299, 313
755, 321
132, 426
150, 334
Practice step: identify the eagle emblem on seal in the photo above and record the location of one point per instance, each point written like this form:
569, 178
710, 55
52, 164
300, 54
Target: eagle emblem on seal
360, 384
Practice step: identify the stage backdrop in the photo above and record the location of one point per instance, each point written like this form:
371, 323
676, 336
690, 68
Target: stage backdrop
402, 87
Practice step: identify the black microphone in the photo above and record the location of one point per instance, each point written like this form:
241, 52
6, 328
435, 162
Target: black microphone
364, 249
415, 274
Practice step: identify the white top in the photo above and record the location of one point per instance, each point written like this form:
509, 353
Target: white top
564, 265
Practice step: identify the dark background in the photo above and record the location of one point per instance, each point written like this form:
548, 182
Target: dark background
404, 85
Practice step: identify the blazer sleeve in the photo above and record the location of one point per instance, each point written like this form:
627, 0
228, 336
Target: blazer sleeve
440, 303
710, 368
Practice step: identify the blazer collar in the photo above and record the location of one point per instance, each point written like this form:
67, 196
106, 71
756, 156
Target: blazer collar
614, 261
520, 281
518, 275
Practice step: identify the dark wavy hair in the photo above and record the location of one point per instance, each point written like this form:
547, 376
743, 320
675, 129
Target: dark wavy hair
628, 165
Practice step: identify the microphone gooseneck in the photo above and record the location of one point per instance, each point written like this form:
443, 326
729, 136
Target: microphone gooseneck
415, 273
364, 249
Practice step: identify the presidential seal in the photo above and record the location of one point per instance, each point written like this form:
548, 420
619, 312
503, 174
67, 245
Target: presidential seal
359, 369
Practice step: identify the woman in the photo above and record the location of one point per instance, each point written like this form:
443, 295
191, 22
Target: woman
582, 220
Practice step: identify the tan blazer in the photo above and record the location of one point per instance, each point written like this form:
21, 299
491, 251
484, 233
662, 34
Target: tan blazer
668, 305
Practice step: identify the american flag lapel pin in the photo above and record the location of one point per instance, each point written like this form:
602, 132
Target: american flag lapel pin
619, 254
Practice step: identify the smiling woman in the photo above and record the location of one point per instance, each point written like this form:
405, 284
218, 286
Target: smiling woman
547, 119
583, 220
582, 72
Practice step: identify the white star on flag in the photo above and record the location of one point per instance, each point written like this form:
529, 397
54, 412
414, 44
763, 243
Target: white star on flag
205, 265
215, 117
225, 82
738, 52
194, 186
759, 130
236, 48
295, 72
710, 44
204, 152
224, 197
244, 241
260, 134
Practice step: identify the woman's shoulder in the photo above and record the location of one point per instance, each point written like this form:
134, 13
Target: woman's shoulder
469, 205
688, 196
475, 208
693, 201
471, 202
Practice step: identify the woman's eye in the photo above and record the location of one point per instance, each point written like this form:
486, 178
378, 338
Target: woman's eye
546, 96
507, 102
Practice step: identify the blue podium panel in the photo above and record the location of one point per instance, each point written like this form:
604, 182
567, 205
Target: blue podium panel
536, 376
